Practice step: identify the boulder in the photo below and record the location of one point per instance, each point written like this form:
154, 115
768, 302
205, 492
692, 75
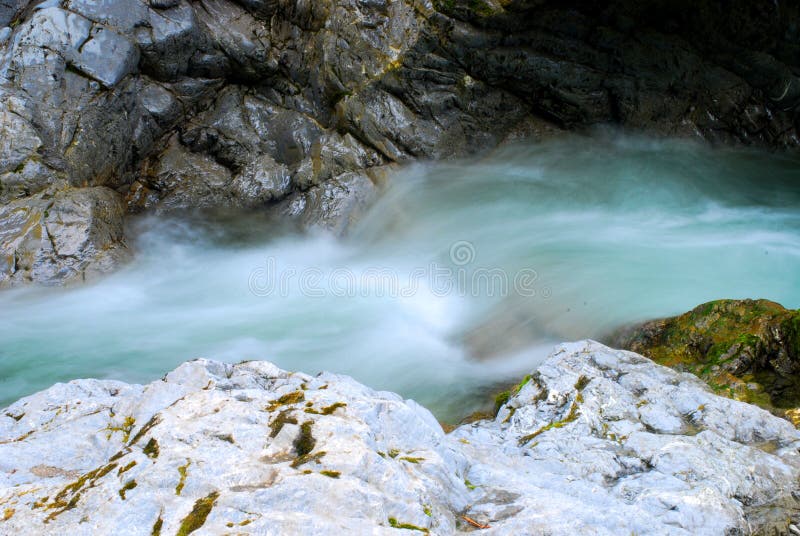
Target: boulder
597, 441
745, 349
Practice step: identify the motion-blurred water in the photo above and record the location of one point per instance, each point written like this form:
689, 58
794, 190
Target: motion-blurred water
616, 230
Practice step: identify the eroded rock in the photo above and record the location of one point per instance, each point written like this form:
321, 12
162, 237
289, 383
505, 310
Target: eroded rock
746, 349
597, 441
61, 236
97, 93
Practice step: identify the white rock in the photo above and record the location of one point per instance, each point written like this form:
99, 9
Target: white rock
597, 442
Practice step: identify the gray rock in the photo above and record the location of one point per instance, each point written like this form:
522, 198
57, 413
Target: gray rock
61, 236
10, 10
169, 42
107, 57
160, 103
19, 141
325, 89
335, 204
187, 179
596, 442
123, 17
164, 4
262, 180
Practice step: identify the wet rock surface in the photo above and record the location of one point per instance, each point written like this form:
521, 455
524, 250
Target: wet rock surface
746, 349
596, 441
215, 103
55, 237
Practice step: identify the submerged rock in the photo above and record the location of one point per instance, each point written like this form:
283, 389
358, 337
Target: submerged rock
598, 441
745, 349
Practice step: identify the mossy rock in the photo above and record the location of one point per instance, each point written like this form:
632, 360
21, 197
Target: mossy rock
744, 349
472, 10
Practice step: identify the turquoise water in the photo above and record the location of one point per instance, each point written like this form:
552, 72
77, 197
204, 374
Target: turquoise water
588, 234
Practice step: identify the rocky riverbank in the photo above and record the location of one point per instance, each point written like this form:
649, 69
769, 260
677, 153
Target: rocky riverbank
596, 441
744, 349
303, 106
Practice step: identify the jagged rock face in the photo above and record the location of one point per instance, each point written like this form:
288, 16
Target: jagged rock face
217, 103
61, 235
747, 349
597, 441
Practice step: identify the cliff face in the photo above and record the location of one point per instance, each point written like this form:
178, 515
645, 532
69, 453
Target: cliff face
303, 105
597, 441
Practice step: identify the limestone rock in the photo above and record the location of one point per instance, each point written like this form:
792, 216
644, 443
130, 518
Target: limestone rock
597, 441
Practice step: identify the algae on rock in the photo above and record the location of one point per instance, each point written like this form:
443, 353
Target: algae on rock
744, 349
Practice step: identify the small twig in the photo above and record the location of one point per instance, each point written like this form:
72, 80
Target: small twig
474, 523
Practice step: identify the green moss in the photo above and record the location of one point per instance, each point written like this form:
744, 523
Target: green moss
119, 454
182, 471
69, 496
469, 484
500, 400
290, 398
395, 524
571, 416
304, 442
393, 453
284, 417
412, 460
154, 420
125, 428
327, 410
197, 517
582, 382
129, 485
306, 458
126, 468
482, 8
156, 530
331, 474
503, 397
427, 510
445, 6
728, 344
151, 449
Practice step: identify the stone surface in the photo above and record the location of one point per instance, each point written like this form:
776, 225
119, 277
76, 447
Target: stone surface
746, 349
10, 9
61, 236
99, 92
596, 441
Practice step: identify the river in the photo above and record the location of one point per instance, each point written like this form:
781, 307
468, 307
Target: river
459, 279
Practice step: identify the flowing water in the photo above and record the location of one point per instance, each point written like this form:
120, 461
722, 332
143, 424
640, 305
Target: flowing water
460, 278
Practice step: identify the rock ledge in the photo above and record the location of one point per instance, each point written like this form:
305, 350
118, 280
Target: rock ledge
597, 441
